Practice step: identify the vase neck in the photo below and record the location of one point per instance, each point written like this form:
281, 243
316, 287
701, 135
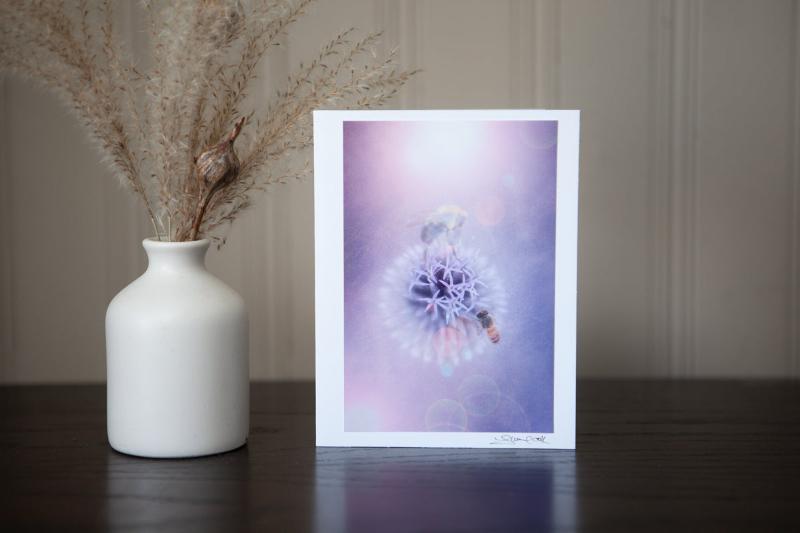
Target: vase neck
176, 256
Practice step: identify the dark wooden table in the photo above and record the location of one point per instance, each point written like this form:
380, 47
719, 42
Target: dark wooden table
668, 456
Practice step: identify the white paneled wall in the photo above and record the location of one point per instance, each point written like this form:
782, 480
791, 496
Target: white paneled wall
690, 199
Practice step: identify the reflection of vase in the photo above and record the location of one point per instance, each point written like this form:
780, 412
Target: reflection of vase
177, 358
169, 495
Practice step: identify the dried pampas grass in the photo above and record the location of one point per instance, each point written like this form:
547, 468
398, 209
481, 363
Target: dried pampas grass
168, 132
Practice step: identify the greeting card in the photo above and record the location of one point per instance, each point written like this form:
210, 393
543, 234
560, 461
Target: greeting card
446, 261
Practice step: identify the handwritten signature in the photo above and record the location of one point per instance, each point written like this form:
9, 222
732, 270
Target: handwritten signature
514, 439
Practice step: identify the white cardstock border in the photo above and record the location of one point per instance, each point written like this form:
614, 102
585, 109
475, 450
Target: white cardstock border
329, 285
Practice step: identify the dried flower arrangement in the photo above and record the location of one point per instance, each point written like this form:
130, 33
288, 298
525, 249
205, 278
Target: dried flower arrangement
164, 129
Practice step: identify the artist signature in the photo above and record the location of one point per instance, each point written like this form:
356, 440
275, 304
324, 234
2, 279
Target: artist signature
513, 439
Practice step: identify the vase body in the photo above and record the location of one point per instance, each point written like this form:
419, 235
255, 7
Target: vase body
177, 359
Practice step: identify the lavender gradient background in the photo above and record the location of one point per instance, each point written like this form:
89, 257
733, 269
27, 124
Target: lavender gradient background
503, 173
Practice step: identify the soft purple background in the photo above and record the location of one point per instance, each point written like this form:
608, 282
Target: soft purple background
503, 173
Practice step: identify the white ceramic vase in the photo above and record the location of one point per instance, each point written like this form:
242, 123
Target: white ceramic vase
177, 358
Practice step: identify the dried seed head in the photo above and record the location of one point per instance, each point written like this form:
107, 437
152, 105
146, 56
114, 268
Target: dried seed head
219, 165
217, 168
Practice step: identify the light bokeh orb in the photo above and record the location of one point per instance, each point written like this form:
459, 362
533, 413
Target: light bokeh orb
479, 395
446, 416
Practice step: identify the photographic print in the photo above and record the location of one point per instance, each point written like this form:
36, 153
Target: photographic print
449, 268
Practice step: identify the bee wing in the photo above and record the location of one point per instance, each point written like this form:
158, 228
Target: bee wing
429, 232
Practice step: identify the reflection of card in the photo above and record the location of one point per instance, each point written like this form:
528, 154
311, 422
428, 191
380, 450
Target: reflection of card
446, 265
367, 487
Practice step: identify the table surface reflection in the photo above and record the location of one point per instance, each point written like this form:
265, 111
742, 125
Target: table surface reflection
654, 455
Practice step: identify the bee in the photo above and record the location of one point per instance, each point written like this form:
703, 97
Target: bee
487, 323
443, 224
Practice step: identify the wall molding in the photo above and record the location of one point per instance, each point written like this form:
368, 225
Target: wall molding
547, 53
683, 182
515, 53
522, 57
793, 344
674, 103
659, 319
411, 30
6, 244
